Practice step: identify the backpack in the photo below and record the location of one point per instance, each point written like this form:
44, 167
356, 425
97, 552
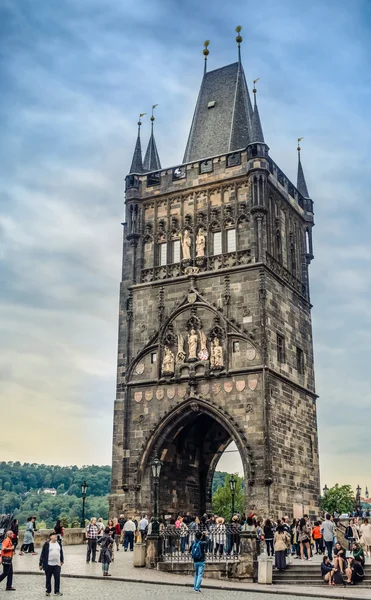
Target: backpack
339, 578
196, 551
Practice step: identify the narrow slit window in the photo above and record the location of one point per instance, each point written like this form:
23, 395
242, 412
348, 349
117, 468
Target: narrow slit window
217, 242
231, 240
300, 361
280, 348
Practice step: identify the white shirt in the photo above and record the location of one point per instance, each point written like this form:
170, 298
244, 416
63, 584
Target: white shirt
100, 526
129, 526
54, 557
143, 523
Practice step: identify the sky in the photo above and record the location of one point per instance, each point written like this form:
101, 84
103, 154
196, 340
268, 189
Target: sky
75, 76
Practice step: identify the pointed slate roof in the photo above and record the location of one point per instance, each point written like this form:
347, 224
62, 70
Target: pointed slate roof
301, 183
136, 164
256, 127
223, 115
151, 159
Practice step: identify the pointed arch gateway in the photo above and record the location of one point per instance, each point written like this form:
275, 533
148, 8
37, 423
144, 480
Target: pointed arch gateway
190, 440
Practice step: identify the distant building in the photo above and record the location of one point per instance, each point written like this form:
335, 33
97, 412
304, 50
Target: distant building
50, 491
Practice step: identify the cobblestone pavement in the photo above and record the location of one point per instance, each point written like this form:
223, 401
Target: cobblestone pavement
122, 567
30, 587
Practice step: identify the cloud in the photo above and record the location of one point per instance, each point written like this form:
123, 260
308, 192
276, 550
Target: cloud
75, 77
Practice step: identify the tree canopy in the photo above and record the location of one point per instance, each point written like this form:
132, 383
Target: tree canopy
222, 498
339, 498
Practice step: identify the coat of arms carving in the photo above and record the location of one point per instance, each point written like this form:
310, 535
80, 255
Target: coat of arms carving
252, 383
228, 386
240, 385
148, 395
160, 393
170, 392
138, 396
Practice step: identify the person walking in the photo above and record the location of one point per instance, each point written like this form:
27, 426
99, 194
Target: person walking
351, 534
365, 531
143, 527
7, 552
328, 533
129, 530
101, 529
15, 529
92, 531
105, 555
304, 533
51, 561
117, 535
317, 537
268, 536
198, 550
28, 540
281, 542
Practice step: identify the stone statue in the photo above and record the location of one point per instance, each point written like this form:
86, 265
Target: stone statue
216, 360
203, 353
180, 355
186, 245
167, 367
200, 243
192, 345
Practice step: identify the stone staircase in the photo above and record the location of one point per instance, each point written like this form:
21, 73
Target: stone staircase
309, 574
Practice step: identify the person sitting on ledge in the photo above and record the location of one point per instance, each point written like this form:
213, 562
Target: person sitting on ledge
327, 570
354, 571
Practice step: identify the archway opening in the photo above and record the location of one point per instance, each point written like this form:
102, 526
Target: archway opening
190, 452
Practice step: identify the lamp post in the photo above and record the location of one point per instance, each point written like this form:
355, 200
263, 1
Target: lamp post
232, 486
366, 493
84, 487
156, 468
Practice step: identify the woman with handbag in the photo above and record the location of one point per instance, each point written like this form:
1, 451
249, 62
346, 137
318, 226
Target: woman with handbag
7, 551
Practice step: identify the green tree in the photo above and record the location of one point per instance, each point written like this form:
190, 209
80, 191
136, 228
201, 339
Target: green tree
339, 498
222, 498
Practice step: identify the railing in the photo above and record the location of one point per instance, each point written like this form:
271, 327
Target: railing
223, 543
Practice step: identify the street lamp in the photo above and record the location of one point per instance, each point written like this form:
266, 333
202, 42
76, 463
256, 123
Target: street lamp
156, 468
232, 486
366, 493
325, 490
84, 487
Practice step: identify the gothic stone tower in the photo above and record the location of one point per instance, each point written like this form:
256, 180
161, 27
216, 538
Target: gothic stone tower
215, 335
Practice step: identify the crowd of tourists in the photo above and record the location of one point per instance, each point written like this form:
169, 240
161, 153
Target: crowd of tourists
203, 537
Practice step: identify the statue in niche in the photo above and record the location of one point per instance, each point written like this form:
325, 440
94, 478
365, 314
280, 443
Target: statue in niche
186, 245
180, 355
216, 359
167, 366
203, 353
192, 345
200, 243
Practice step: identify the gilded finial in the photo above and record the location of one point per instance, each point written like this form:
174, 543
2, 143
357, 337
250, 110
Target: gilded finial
239, 38
152, 117
255, 82
206, 53
299, 140
140, 116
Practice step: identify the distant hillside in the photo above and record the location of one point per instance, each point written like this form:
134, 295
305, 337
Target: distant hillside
22, 478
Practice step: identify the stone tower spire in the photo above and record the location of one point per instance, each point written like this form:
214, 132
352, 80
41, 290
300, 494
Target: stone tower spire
151, 158
301, 183
222, 119
256, 128
136, 163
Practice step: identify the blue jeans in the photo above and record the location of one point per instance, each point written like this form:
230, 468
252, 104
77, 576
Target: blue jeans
329, 549
129, 540
199, 571
183, 544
